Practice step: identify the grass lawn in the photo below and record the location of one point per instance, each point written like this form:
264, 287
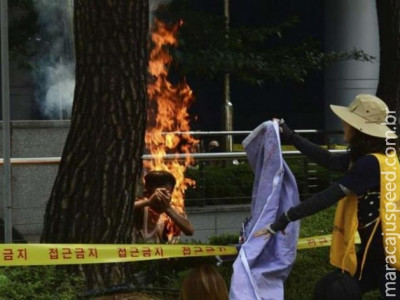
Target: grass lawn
310, 265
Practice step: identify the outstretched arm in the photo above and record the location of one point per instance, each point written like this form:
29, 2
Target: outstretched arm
318, 202
314, 204
363, 176
314, 152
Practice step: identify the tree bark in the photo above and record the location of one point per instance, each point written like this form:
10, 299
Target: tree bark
92, 197
389, 38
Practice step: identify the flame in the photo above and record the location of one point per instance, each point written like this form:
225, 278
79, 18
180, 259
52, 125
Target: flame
168, 112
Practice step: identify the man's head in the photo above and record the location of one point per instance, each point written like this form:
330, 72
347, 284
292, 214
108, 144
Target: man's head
158, 179
213, 146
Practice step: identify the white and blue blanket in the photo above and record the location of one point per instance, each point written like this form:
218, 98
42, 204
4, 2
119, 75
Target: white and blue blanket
263, 264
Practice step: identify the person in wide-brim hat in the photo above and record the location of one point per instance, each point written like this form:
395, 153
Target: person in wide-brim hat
368, 114
367, 197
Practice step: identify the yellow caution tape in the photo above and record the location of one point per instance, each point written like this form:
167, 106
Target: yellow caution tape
318, 241
69, 254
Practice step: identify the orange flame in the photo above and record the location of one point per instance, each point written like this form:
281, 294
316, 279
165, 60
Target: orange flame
168, 112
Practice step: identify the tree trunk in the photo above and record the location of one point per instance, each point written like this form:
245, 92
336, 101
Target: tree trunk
92, 197
389, 38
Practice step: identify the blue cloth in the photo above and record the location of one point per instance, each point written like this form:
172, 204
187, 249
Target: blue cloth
263, 264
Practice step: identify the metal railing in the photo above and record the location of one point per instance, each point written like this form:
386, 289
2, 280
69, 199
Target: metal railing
199, 158
308, 179
195, 156
238, 132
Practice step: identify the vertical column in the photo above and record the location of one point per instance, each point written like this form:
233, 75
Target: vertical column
5, 99
348, 25
228, 107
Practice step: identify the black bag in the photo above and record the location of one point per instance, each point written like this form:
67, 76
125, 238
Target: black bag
337, 285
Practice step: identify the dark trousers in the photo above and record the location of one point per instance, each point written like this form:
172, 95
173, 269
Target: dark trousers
380, 276
337, 286
342, 286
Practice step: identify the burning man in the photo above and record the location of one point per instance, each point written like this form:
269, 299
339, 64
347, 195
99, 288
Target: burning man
150, 226
368, 197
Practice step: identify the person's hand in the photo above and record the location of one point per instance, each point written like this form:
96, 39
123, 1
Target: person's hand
279, 225
285, 131
267, 232
160, 200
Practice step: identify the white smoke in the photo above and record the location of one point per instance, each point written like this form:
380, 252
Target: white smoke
55, 75
60, 92
155, 3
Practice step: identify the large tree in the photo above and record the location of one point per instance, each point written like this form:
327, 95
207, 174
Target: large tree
389, 38
92, 197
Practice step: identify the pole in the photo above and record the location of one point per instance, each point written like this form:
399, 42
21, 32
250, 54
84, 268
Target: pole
228, 107
5, 96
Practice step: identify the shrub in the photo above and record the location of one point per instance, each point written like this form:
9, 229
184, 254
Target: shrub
38, 282
220, 185
233, 184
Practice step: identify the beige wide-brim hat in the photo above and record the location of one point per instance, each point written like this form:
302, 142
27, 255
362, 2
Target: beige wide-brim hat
367, 114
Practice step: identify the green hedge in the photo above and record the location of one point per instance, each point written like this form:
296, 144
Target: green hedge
226, 183
216, 184
41, 282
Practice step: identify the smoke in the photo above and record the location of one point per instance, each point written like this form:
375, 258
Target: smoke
54, 68
60, 92
155, 3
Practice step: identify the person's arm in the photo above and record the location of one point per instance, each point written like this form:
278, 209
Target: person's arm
180, 220
318, 202
312, 205
141, 202
364, 175
314, 152
158, 201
